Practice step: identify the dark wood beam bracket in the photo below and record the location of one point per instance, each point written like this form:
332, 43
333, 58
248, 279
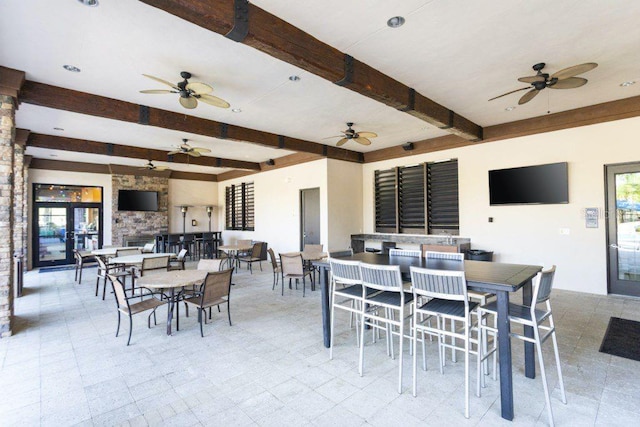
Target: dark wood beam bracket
348, 71
241, 21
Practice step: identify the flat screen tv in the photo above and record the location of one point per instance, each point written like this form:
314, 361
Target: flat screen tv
540, 184
136, 200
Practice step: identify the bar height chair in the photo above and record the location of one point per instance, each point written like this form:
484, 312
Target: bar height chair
346, 293
532, 317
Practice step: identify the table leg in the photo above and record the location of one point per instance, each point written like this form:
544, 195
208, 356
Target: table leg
529, 347
504, 355
326, 313
170, 310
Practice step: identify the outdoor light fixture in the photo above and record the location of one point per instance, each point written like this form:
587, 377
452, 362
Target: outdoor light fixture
408, 146
209, 210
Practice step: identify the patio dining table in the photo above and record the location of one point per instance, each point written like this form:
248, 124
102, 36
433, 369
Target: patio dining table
109, 252
138, 258
172, 280
498, 278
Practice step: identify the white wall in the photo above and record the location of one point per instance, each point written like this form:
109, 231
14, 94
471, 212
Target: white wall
277, 205
198, 194
530, 234
344, 184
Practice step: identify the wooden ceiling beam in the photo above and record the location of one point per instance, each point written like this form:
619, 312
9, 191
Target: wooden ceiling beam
261, 30
11, 81
85, 103
115, 150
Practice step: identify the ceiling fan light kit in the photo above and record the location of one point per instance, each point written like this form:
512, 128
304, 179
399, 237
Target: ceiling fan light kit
189, 92
563, 79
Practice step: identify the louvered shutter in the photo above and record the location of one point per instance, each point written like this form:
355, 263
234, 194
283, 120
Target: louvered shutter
386, 201
442, 194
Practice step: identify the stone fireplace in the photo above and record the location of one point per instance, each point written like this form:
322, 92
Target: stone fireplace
133, 228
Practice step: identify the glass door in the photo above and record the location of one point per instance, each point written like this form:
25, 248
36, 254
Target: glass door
65, 218
623, 228
51, 234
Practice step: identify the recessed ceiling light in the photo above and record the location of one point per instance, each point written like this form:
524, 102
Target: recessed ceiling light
510, 108
58, 129
236, 110
627, 84
71, 68
395, 22
294, 78
91, 3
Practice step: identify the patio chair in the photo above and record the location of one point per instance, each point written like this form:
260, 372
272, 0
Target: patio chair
215, 291
125, 307
178, 263
293, 268
275, 265
253, 256
81, 258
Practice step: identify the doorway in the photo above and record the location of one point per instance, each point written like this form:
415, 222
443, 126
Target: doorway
623, 228
65, 218
309, 217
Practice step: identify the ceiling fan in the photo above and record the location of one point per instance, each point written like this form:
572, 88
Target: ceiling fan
359, 137
190, 93
185, 148
150, 166
563, 79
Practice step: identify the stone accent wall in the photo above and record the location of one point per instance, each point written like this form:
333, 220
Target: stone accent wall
7, 137
139, 223
18, 200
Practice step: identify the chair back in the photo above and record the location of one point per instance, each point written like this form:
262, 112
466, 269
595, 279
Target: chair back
244, 243
449, 256
405, 252
381, 277
209, 264
256, 250
216, 286
442, 284
188, 238
272, 256
544, 283
181, 254
118, 291
173, 238
77, 256
341, 253
346, 272
312, 248
102, 266
154, 263
148, 248
291, 264
127, 251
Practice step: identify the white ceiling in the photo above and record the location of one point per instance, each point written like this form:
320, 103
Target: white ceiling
459, 54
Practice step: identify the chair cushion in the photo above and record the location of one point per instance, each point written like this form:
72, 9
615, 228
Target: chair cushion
447, 307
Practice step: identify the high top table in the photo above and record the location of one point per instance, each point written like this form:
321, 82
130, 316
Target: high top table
498, 278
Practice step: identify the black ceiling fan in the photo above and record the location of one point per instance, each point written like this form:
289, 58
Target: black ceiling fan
190, 92
185, 148
150, 166
563, 79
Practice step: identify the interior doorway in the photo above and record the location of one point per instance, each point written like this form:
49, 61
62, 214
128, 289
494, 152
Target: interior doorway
309, 217
623, 228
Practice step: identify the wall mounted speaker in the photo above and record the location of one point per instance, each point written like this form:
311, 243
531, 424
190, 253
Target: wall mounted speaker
408, 146
271, 162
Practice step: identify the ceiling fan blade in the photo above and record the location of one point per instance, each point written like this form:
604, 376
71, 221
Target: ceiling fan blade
193, 153
528, 96
509, 93
189, 102
363, 141
201, 150
157, 91
199, 88
569, 83
574, 71
161, 168
341, 142
213, 100
336, 136
174, 152
164, 82
531, 79
367, 134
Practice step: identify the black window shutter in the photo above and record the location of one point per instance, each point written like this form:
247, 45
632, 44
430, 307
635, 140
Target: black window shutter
386, 201
411, 195
442, 196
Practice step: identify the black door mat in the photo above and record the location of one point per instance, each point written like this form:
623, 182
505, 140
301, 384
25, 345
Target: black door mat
622, 339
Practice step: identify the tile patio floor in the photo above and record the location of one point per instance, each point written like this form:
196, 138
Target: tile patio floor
64, 366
